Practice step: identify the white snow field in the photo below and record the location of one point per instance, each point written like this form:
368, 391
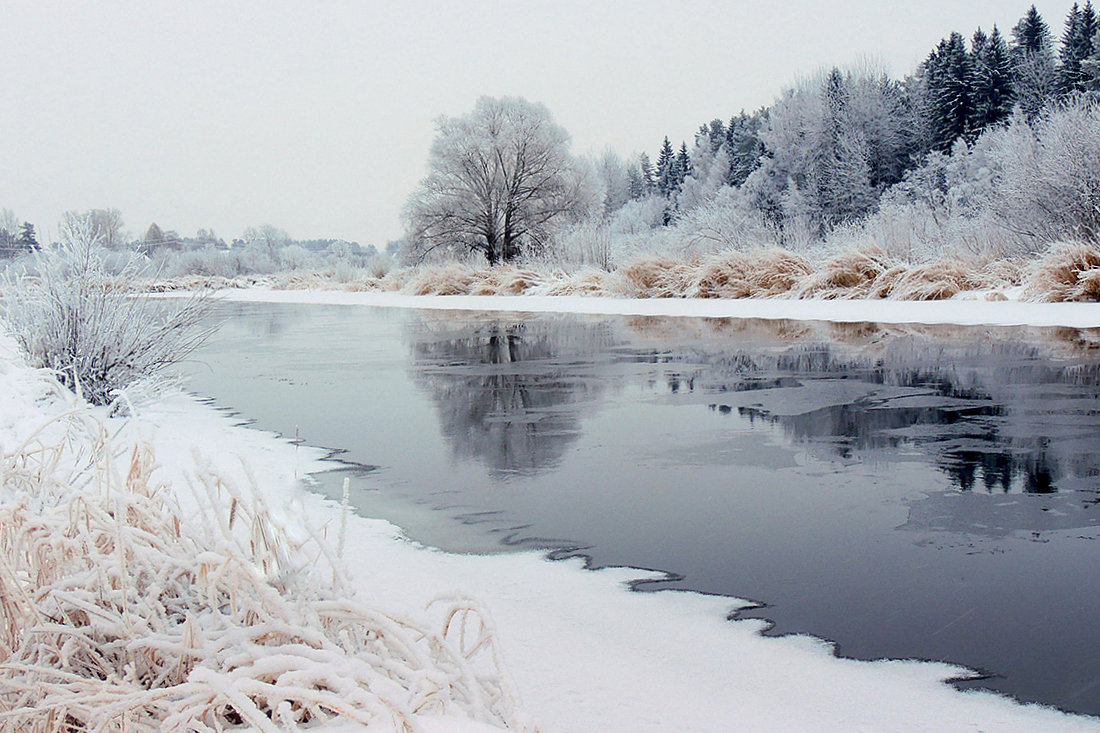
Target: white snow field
586, 654
956, 311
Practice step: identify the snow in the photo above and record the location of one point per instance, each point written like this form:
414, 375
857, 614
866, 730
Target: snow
584, 652
958, 311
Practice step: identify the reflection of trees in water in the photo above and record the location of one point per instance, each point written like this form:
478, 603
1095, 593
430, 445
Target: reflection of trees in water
511, 394
996, 414
1009, 418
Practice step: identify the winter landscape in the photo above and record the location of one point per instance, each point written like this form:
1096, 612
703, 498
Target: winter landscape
545, 388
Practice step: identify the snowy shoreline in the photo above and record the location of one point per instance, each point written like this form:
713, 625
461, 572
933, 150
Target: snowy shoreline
584, 652
957, 311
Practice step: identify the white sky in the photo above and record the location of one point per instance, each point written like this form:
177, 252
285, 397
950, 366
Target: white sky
317, 116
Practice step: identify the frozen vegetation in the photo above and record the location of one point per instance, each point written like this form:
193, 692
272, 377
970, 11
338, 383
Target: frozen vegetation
165, 571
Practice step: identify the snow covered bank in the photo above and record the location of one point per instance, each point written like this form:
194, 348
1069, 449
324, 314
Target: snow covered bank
960, 312
584, 653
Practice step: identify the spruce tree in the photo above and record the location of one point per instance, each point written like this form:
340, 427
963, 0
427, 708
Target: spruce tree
716, 134
666, 173
991, 83
744, 146
950, 105
1035, 74
682, 166
1077, 47
649, 179
27, 239
1031, 34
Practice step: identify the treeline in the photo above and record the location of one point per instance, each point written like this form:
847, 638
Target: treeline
838, 150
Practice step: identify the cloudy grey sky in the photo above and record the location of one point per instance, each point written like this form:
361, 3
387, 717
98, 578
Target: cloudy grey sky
317, 116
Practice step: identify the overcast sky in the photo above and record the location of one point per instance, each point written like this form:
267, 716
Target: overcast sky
317, 116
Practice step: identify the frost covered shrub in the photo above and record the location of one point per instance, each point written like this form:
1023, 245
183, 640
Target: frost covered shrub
118, 613
585, 244
724, 223
1048, 187
79, 317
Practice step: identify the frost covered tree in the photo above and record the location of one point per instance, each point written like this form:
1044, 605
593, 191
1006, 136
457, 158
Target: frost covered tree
832, 145
616, 178
105, 225
991, 85
1035, 73
948, 70
1077, 48
1048, 173
499, 179
710, 165
27, 238
648, 178
666, 169
743, 145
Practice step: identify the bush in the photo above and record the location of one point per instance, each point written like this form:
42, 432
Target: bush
78, 316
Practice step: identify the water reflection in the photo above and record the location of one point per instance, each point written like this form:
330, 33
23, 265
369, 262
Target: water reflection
994, 417
508, 394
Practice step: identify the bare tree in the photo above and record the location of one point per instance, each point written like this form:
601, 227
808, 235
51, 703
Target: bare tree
500, 178
105, 225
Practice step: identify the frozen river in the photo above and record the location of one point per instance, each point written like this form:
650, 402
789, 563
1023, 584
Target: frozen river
905, 492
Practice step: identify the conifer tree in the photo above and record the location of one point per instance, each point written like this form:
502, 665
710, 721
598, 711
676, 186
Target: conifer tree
27, 239
1035, 75
666, 172
1077, 47
153, 234
950, 105
991, 81
682, 165
1031, 34
744, 146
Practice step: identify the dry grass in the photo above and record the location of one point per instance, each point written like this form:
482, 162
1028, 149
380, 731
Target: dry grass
659, 276
450, 279
118, 615
1069, 271
945, 278
506, 280
763, 273
1066, 272
848, 275
589, 281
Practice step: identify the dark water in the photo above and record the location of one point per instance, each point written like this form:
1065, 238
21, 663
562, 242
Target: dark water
905, 492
